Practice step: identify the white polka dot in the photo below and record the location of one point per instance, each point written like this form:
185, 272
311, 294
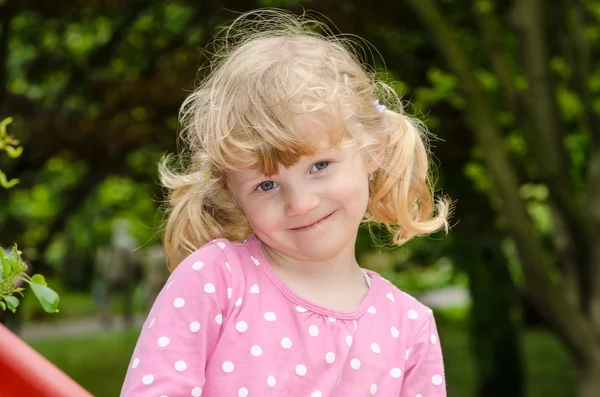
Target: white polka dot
436, 380
196, 392
413, 315
241, 326
433, 339
355, 363
419, 395
219, 319
256, 262
152, 323
195, 326
270, 316
197, 265
395, 332
375, 348
390, 296
271, 381
313, 330
301, 370
227, 366
238, 302
148, 379
229, 293
349, 340
373, 389
163, 341
227, 266
316, 394
332, 319
330, 357
300, 309
286, 343
180, 365
170, 283
254, 289
243, 392
178, 303
372, 310
221, 245
408, 352
209, 288
396, 373
135, 363
256, 351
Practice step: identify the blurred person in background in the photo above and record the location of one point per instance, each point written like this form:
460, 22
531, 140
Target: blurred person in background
117, 265
156, 272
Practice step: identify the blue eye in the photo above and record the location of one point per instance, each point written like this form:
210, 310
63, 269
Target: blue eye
266, 186
320, 166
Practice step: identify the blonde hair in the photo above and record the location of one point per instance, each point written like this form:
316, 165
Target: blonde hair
270, 66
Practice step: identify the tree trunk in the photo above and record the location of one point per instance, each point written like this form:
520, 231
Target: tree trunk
589, 374
494, 328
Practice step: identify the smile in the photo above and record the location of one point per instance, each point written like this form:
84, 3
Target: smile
312, 225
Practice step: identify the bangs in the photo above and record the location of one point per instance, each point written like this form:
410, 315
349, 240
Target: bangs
278, 141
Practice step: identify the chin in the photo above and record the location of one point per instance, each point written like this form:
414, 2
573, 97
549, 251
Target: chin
323, 250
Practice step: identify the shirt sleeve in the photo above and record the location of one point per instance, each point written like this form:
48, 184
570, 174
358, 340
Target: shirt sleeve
182, 329
424, 375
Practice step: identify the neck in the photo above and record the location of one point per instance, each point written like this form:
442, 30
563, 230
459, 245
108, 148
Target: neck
342, 268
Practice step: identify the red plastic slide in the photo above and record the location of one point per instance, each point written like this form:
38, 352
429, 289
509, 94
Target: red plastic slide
26, 373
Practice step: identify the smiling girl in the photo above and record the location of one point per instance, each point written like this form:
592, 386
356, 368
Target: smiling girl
288, 152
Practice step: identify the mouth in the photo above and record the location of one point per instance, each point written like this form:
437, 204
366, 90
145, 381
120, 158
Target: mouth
309, 226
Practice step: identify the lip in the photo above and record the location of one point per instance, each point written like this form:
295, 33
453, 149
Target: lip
312, 224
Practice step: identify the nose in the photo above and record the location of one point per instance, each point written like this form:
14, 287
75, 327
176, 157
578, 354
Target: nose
300, 201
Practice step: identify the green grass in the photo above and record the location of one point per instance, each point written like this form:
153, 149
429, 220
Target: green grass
73, 305
98, 362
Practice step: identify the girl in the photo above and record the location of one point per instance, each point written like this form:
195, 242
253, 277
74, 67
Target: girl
288, 152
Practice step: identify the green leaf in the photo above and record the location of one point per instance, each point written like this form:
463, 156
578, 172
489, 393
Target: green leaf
39, 279
3, 125
2, 305
5, 183
13, 152
47, 297
11, 302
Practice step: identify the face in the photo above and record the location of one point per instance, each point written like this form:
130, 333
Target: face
310, 211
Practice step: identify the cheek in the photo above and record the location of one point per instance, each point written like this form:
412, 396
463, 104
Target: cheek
352, 191
260, 216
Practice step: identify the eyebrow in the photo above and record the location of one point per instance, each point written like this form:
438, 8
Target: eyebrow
256, 176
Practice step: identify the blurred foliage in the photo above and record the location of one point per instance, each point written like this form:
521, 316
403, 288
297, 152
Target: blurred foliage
13, 270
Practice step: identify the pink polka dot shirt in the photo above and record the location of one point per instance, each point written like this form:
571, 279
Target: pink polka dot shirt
225, 325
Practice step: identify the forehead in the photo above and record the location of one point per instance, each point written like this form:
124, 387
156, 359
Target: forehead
304, 135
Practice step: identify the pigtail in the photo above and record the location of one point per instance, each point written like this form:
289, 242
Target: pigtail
199, 212
401, 193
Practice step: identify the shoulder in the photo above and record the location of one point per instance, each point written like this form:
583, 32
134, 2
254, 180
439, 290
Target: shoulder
407, 313
220, 259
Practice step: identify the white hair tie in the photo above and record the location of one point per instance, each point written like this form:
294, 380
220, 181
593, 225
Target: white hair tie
380, 108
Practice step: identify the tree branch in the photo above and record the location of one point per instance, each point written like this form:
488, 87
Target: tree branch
529, 20
581, 68
537, 264
530, 23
